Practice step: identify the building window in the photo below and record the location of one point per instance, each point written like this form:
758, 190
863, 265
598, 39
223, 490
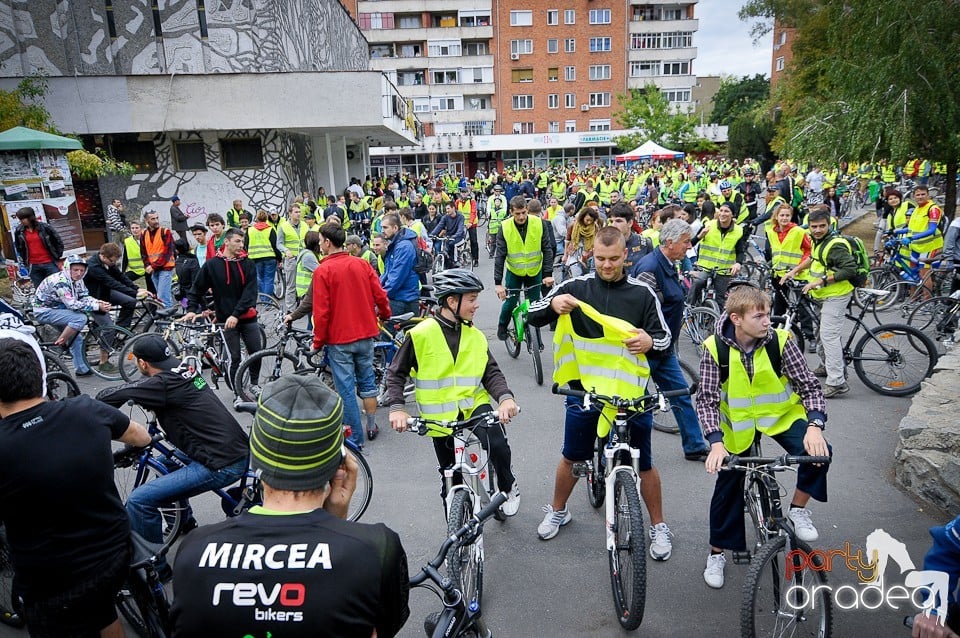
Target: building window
570, 73
520, 128
411, 50
475, 48
599, 45
409, 78
676, 68
140, 154
677, 40
783, 38
553, 74
570, 100
478, 103
553, 17
444, 48
521, 47
521, 18
478, 74
570, 45
522, 75
600, 125
553, 101
570, 126
600, 99
569, 16
478, 128
421, 105
479, 18
449, 76
190, 156
599, 16
410, 22
241, 154
677, 95
671, 14
375, 21
553, 45
643, 69
599, 71
553, 127
780, 63
522, 102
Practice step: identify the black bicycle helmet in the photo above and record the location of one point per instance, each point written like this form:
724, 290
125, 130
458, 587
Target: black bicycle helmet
456, 281
748, 171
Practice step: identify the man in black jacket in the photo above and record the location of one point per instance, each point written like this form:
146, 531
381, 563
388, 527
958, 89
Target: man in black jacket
38, 246
178, 219
106, 281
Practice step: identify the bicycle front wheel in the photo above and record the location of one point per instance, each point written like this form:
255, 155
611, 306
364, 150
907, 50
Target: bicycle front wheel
173, 515
893, 359
109, 340
364, 492
533, 342
628, 558
464, 566
136, 604
270, 317
269, 367
61, 385
667, 421
937, 318
512, 342
11, 609
786, 597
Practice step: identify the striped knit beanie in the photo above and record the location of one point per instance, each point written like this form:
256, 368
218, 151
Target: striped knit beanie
297, 436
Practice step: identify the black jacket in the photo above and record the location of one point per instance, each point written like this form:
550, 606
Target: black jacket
187, 268
51, 241
178, 220
234, 283
101, 279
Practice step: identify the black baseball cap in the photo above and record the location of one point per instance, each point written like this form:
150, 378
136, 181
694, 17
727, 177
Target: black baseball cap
155, 351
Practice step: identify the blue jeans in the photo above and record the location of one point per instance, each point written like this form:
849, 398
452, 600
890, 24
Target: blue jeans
667, 374
401, 307
162, 279
266, 271
61, 317
143, 503
352, 368
39, 272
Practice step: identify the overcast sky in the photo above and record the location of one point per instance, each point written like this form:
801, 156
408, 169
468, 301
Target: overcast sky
723, 42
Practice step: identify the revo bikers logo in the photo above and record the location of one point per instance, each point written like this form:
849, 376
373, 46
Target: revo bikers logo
924, 589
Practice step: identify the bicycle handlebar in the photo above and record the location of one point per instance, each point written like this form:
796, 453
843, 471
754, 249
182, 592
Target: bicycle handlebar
125, 456
618, 401
735, 462
421, 425
248, 407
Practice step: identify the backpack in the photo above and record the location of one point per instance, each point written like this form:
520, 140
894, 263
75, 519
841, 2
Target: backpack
772, 346
859, 252
423, 261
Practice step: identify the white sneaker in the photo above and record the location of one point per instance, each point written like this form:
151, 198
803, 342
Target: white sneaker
713, 574
512, 505
802, 524
552, 522
660, 545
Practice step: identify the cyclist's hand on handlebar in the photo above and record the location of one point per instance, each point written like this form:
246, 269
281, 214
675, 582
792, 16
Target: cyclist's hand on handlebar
563, 304
735, 269
190, 317
501, 292
929, 627
342, 486
231, 323
548, 282
640, 343
398, 420
715, 459
507, 410
814, 443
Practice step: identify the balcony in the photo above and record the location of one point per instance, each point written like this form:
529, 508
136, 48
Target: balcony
663, 81
419, 6
386, 36
662, 26
445, 90
688, 53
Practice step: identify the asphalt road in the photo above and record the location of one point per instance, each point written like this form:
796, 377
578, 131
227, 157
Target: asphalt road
561, 587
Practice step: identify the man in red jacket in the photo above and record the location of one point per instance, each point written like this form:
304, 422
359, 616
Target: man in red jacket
345, 322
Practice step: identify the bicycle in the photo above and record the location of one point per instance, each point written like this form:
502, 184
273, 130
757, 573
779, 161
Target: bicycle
142, 599
465, 500
779, 561
668, 421
626, 535
442, 261
96, 339
61, 385
11, 607
938, 318
519, 331
199, 345
796, 303
699, 322
458, 619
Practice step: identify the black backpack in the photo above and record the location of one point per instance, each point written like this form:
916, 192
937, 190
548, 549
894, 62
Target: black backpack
723, 357
423, 262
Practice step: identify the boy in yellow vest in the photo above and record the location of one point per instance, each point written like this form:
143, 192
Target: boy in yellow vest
786, 404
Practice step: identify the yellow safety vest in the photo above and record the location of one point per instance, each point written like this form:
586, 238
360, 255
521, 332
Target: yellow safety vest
764, 402
653, 235
630, 190
605, 190
819, 270
603, 365
558, 190
498, 212
304, 276
717, 250
258, 244
443, 387
888, 174
524, 257
902, 215
134, 258
786, 254
292, 237
918, 223
551, 211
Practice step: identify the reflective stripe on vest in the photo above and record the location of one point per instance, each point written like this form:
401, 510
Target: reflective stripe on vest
604, 365
717, 249
304, 276
765, 402
258, 244
443, 387
524, 257
918, 223
134, 258
498, 213
819, 270
788, 253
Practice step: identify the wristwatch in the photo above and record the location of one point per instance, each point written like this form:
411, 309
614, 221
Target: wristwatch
818, 423
823, 282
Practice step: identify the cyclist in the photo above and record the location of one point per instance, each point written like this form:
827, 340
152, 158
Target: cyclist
722, 248
333, 577
453, 227
497, 207
751, 192
788, 253
525, 251
922, 234
442, 351
756, 396
193, 419
613, 298
943, 556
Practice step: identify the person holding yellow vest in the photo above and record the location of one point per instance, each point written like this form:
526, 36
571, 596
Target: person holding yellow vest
832, 266
606, 323
922, 234
523, 259
455, 376
260, 242
721, 248
133, 265
754, 381
156, 248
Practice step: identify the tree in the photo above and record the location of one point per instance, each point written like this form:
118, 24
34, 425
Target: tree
750, 135
648, 110
738, 97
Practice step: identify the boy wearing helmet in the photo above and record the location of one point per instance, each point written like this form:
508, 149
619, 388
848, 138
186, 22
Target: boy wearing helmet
448, 346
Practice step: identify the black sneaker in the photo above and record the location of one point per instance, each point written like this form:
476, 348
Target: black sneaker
373, 432
502, 333
83, 374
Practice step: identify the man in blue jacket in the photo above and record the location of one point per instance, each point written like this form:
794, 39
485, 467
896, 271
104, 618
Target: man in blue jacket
398, 279
452, 226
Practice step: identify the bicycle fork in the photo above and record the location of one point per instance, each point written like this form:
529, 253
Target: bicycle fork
610, 481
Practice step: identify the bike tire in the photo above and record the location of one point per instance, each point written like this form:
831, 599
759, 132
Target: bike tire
463, 565
628, 559
272, 368
362, 496
894, 359
128, 363
136, 604
270, 317
877, 279
94, 341
174, 514
596, 480
11, 608
279, 284
511, 342
533, 341
898, 305
667, 421
938, 318
61, 385
765, 609
492, 488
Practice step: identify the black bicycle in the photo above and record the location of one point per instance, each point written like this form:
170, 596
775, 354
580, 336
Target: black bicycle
142, 599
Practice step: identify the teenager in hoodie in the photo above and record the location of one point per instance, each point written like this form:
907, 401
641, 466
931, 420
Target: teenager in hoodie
260, 242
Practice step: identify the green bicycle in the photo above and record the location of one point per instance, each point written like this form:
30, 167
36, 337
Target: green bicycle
518, 331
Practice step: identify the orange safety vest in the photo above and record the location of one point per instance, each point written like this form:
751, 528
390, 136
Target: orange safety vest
155, 246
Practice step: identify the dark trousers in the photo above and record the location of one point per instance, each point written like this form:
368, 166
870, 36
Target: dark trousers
249, 333
132, 276
726, 506
805, 316
474, 245
39, 272
493, 440
127, 305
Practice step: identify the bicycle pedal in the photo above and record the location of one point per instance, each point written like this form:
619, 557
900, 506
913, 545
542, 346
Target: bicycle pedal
581, 469
742, 558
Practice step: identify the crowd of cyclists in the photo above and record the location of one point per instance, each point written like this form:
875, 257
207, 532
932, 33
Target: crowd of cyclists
616, 254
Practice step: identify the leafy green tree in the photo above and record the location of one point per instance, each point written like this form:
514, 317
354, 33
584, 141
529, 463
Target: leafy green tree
736, 97
750, 135
649, 111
